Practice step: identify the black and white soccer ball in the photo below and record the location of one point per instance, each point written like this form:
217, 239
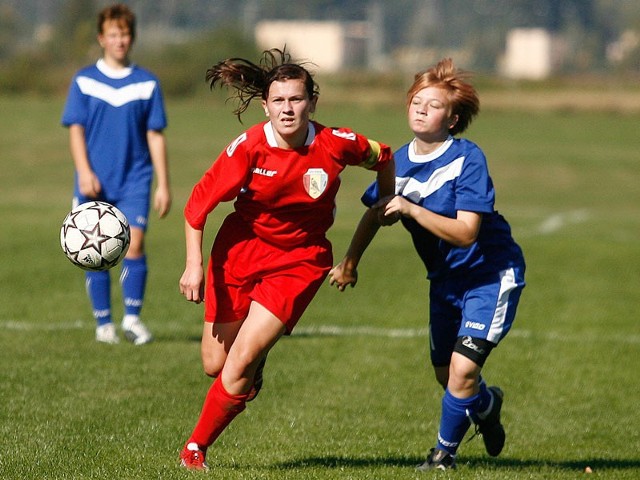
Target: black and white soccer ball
95, 236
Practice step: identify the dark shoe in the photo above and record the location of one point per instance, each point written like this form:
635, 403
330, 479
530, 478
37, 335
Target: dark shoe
490, 427
438, 460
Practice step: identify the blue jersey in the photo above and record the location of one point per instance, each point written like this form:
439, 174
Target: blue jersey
454, 177
116, 109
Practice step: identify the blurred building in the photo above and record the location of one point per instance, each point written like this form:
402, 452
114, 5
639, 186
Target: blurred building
529, 54
331, 46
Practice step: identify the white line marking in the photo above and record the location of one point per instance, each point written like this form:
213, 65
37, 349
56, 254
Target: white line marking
44, 326
556, 222
340, 331
559, 220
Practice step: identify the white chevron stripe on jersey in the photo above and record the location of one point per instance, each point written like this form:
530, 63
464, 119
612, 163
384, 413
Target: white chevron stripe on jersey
116, 96
415, 190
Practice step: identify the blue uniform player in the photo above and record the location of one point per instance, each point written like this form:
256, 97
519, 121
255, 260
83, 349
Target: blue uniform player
115, 115
445, 199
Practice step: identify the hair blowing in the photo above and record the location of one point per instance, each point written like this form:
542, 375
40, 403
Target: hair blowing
463, 98
251, 80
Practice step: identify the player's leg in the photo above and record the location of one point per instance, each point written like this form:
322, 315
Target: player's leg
488, 308
444, 321
133, 278
228, 395
217, 339
460, 398
489, 312
277, 302
98, 286
227, 305
259, 332
222, 303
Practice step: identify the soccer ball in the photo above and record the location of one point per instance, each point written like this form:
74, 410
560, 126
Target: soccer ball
95, 236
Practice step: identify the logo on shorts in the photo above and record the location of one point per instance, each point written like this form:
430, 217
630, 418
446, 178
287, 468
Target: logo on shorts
315, 182
474, 325
468, 342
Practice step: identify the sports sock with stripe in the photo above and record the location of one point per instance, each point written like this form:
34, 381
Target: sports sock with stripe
454, 420
98, 285
133, 280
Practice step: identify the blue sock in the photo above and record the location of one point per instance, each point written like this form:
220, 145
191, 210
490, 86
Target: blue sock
133, 280
454, 421
98, 286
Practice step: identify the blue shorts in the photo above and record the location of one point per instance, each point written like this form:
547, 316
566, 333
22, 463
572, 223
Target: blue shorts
135, 205
481, 307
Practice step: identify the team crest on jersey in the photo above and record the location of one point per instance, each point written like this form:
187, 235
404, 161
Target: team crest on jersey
315, 182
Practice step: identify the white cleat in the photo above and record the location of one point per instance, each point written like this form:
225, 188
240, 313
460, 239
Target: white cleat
107, 334
135, 331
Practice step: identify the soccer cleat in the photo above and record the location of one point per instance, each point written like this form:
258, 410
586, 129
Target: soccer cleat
490, 428
193, 458
438, 460
257, 381
106, 333
135, 331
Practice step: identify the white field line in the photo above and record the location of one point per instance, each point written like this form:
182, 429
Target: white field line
342, 331
557, 221
17, 325
339, 331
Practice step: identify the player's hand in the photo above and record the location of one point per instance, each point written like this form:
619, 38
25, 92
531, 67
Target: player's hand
386, 218
341, 276
89, 185
398, 206
192, 284
162, 201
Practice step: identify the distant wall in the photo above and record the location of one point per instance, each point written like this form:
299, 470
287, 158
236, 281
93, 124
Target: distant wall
331, 46
528, 54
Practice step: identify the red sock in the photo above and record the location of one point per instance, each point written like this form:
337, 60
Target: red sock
219, 409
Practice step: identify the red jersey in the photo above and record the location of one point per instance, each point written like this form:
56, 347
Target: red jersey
286, 196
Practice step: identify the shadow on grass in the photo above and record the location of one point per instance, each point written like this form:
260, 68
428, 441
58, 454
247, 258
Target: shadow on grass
472, 462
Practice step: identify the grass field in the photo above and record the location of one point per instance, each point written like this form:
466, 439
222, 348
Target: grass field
350, 395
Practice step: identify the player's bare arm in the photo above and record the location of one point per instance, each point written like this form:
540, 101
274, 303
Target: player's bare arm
386, 179
192, 280
461, 231
346, 273
158, 150
88, 182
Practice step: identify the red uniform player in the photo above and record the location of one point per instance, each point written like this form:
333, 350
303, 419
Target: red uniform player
271, 254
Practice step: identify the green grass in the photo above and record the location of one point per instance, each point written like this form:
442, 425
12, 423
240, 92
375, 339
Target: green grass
358, 403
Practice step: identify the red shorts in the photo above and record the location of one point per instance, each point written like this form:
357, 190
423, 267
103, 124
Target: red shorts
244, 268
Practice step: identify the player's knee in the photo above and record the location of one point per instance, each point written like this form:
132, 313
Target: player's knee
211, 366
136, 245
210, 371
134, 253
